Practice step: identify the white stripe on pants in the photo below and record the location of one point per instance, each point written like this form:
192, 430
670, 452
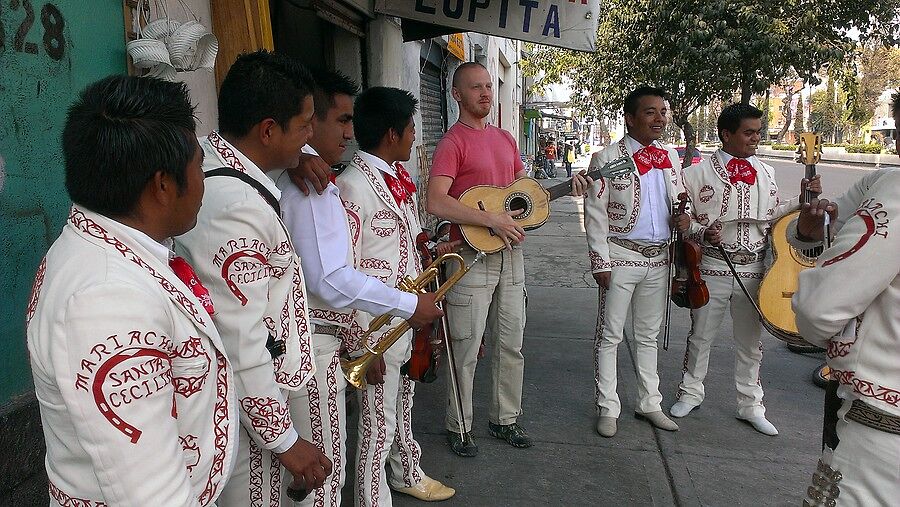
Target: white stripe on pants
491, 295
725, 292
869, 461
385, 429
319, 415
637, 284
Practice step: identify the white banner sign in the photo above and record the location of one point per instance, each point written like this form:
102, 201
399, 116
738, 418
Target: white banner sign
570, 24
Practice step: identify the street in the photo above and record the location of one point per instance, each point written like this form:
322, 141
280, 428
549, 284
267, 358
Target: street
713, 460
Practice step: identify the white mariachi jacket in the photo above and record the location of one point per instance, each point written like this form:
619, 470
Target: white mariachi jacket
135, 390
243, 254
383, 235
849, 302
613, 205
745, 211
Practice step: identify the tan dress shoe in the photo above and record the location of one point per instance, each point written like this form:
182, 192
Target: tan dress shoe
606, 426
428, 490
659, 420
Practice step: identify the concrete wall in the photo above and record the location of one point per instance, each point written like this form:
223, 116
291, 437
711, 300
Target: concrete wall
37, 84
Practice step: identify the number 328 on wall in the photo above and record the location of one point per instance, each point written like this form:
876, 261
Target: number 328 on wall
52, 22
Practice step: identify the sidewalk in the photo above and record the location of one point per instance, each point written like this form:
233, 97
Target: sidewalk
713, 460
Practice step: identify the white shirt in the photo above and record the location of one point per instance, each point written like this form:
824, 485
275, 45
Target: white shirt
377, 162
317, 224
162, 251
653, 220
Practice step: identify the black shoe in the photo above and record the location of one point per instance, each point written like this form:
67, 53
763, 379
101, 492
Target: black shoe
466, 448
514, 434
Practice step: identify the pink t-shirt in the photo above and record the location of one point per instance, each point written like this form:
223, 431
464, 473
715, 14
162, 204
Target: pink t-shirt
476, 157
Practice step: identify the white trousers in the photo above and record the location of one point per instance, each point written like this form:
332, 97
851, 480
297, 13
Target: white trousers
319, 415
726, 294
637, 284
256, 478
490, 296
385, 432
869, 461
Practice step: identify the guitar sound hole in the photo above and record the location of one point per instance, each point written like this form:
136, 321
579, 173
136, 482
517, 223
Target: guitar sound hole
516, 203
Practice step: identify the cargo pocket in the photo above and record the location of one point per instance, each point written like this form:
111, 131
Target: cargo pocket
459, 315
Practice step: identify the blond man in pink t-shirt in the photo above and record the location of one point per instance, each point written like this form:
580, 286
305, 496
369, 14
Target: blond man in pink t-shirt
492, 293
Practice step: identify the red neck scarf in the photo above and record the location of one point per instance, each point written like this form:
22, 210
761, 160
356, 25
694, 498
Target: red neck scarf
402, 187
186, 274
651, 157
739, 169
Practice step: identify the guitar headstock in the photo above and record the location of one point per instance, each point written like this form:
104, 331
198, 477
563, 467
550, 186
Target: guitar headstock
810, 148
622, 166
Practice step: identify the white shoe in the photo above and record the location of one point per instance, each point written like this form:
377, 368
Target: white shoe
681, 409
606, 426
761, 424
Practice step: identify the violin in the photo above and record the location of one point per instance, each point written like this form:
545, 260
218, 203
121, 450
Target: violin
688, 290
426, 350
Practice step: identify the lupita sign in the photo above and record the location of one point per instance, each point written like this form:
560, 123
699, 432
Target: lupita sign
570, 24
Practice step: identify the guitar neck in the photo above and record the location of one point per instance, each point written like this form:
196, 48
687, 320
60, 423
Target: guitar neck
565, 188
809, 174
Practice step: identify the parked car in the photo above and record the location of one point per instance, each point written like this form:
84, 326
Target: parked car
694, 160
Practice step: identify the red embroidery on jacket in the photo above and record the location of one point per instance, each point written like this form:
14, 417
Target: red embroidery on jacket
128, 385
35, 291
192, 382
225, 151
66, 500
383, 223
191, 451
867, 388
268, 417
706, 193
876, 221
220, 431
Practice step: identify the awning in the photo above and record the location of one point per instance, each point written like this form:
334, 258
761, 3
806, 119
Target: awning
570, 24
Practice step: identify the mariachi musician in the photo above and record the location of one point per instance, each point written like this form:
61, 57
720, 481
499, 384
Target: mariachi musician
735, 198
627, 221
379, 198
859, 325
319, 227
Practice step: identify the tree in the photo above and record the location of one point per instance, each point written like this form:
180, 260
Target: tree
799, 126
827, 112
704, 49
878, 68
786, 111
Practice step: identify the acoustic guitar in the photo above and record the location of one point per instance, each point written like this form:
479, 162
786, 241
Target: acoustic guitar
780, 282
528, 195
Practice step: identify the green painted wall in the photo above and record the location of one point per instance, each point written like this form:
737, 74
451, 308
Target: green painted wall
39, 78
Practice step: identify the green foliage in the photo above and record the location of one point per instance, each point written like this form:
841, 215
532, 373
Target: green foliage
828, 112
784, 147
863, 148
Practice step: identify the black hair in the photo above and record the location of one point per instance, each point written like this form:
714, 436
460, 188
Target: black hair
328, 84
119, 133
262, 85
461, 68
377, 111
895, 104
732, 115
632, 99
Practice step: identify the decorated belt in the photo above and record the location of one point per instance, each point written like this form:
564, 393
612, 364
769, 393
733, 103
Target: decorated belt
872, 417
647, 250
742, 257
330, 330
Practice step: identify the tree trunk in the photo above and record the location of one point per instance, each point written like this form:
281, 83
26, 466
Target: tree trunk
786, 113
746, 88
765, 117
690, 140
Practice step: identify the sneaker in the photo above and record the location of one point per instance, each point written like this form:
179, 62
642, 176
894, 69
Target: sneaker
466, 448
428, 490
514, 434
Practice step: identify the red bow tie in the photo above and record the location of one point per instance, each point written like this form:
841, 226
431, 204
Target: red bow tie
402, 187
651, 157
186, 274
741, 170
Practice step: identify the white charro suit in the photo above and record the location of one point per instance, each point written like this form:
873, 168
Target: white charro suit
383, 234
612, 210
243, 254
745, 212
849, 304
136, 393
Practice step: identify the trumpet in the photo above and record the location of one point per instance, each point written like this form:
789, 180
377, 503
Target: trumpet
355, 369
